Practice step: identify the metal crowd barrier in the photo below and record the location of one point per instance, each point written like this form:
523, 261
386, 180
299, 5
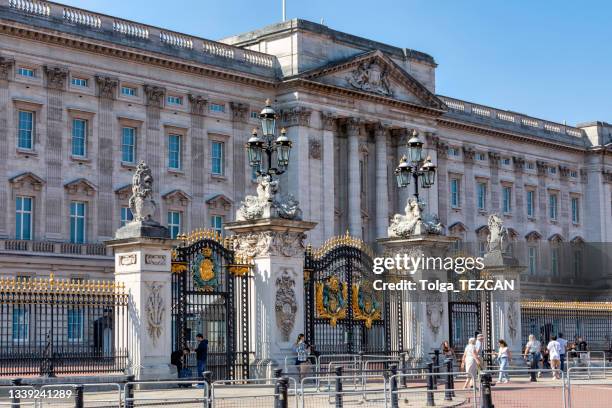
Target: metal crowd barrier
135, 392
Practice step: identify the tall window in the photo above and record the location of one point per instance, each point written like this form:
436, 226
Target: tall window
25, 139
577, 263
21, 323
552, 206
482, 248
507, 196
174, 223
216, 223
455, 198
554, 261
530, 203
126, 215
75, 324
77, 222
533, 260
217, 155
79, 135
23, 218
128, 145
575, 210
481, 189
174, 152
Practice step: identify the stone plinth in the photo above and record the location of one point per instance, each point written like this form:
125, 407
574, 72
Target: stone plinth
426, 313
143, 265
277, 249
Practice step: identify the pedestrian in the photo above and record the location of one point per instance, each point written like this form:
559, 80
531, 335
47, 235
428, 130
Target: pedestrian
470, 362
554, 355
504, 356
447, 350
532, 352
201, 356
302, 350
178, 359
581, 344
563, 344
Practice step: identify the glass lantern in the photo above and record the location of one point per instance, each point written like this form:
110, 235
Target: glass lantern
283, 147
403, 173
254, 148
429, 173
268, 119
415, 147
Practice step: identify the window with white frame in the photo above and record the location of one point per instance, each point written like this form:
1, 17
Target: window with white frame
25, 132
254, 115
128, 90
77, 222
216, 107
174, 100
23, 218
128, 145
80, 82
217, 152
530, 165
506, 161
530, 197
481, 190
453, 151
21, 323
553, 204
481, 156
79, 137
455, 193
216, 223
174, 223
126, 215
507, 199
552, 170
174, 151
482, 248
575, 210
533, 260
75, 324
26, 72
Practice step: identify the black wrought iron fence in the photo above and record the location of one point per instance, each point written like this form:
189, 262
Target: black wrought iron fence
54, 326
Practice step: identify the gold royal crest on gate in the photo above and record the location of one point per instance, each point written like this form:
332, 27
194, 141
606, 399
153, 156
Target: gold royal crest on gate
204, 271
331, 299
365, 303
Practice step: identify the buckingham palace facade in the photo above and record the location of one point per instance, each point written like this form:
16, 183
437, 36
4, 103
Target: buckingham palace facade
84, 97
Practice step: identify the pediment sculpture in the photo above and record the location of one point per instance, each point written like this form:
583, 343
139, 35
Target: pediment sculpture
370, 76
414, 222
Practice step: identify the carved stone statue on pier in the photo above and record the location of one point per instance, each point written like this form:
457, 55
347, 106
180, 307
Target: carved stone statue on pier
415, 222
498, 244
268, 204
143, 208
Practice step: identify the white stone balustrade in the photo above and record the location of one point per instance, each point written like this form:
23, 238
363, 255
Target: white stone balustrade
131, 29
31, 6
76, 16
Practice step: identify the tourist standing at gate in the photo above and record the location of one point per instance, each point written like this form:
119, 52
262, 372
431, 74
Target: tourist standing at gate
302, 349
504, 355
563, 344
532, 352
470, 363
554, 354
201, 354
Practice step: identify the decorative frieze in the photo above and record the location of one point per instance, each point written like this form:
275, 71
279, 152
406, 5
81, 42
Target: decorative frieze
197, 104
127, 260
56, 77
154, 95
6, 64
239, 111
107, 86
153, 259
298, 116
269, 243
370, 76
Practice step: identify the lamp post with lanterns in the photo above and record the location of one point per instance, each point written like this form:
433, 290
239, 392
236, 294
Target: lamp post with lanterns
422, 171
271, 146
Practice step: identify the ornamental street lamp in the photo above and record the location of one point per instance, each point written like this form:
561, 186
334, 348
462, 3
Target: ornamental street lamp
279, 147
413, 166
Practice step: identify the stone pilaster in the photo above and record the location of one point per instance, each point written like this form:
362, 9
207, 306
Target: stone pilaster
442, 180
470, 197
542, 193
240, 135
276, 247
565, 217
354, 181
6, 65
382, 192
56, 78
199, 157
107, 88
494, 163
329, 127
519, 190
154, 141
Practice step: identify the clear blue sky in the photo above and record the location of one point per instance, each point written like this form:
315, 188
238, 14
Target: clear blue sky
550, 59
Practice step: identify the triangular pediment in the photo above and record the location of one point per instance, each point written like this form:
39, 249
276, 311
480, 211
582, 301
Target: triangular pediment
27, 178
177, 195
80, 185
376, 74
220, 201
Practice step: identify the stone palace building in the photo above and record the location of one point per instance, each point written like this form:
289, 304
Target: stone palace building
84, 97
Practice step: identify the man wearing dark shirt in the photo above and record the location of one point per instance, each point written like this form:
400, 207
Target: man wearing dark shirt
201, 354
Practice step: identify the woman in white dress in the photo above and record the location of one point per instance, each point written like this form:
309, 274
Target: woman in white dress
470, 363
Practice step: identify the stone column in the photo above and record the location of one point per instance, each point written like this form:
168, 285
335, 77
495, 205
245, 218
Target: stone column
542, 204
107, 88
468, 175
354, 181
240, 136
382, 193
494, 162
56, 84
519, 189
199, 158
564, 205
276, 247
329, 193
6, 66
154, 142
